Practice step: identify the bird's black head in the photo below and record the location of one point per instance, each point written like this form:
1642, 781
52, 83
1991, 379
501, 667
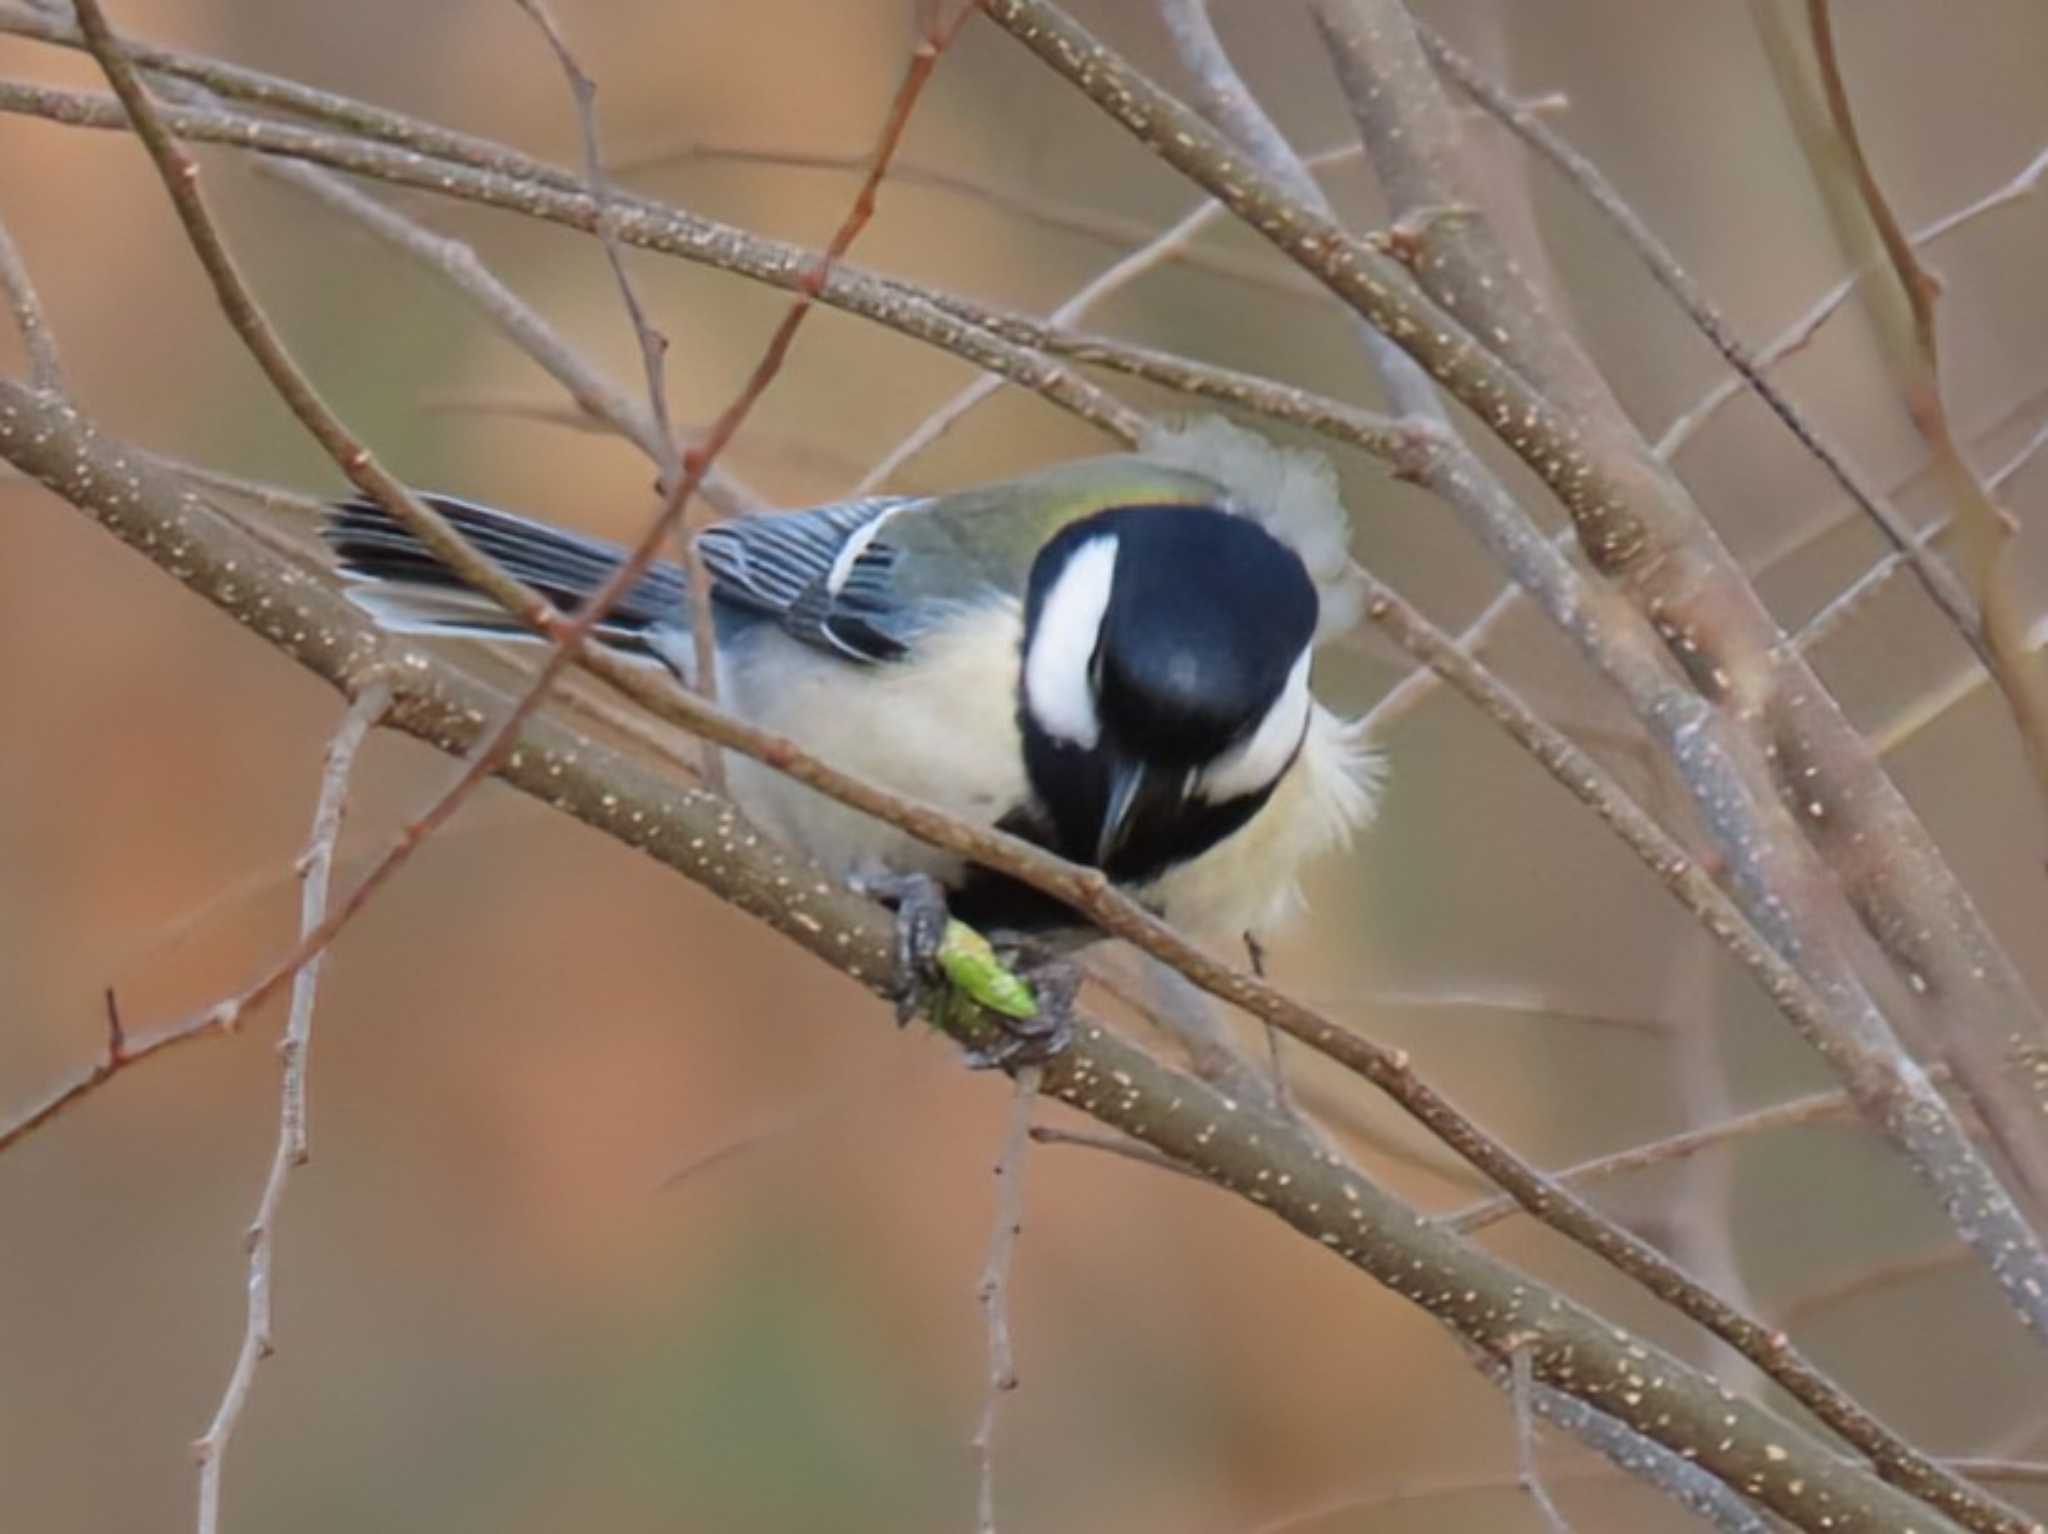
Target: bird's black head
1165, 681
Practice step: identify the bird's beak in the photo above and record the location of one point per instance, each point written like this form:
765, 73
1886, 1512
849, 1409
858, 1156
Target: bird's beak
1126, 778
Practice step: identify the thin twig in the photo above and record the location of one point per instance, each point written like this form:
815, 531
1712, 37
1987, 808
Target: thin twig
652, 343
1797, 1308
1521, 1388
1115, 1145
1818, 1108
524, 185
654, 347
180, 177
1069, 218
1271, 1163
456, 260
316, 869
993, 1291
1940, 582
1118, 275
121, 1052
1391, 1076
1910, 344
779, 1124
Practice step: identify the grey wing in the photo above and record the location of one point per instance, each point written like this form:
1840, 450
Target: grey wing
825, 576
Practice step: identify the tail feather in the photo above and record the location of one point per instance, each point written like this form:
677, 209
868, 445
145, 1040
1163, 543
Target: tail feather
405, 586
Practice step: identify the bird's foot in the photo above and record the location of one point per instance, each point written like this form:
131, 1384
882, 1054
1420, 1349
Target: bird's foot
919, 902
1020, 986
1051, 982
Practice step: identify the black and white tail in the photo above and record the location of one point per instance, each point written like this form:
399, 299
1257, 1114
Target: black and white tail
402, 584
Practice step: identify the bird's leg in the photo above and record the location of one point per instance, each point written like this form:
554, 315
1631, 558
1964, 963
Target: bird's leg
919, 902
1020, 985
1054, 981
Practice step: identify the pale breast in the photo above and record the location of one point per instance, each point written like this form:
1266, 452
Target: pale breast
941, 728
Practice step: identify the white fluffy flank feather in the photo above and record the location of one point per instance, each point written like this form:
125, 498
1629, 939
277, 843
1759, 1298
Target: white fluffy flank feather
1289, 491
1251, 880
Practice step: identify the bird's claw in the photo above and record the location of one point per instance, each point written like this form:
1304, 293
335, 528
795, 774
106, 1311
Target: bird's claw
919, 902
1026, 990
1054, 983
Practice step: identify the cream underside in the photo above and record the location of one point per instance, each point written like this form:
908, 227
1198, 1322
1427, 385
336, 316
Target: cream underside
945, 731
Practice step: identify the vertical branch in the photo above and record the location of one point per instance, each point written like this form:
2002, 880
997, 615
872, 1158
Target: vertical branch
1936, 578
316, 869
1912, 347
653, 343
1412, 141
993, 1292
1222, 97
654, 361
1690, 645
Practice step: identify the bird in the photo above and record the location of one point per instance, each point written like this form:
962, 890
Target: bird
1108, 657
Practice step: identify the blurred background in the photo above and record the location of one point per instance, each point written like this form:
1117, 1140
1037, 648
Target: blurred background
490, 1314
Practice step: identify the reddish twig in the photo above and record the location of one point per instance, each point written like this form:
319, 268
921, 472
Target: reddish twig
121, 1053
569, 635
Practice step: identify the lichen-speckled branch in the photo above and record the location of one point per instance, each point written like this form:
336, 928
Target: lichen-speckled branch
1750, 721
1269, 1162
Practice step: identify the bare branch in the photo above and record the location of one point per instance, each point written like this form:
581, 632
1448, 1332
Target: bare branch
993, 1291
316, 869
1911, 347
1940, 582
121, 1052
1118, 275
1816, 1108
652, 343
1115, 1145
1271, 1163
596, 396
1068, 218
528, 186
1637, 526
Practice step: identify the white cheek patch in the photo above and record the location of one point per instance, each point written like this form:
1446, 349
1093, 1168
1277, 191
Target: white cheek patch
1257, 764
1057, 688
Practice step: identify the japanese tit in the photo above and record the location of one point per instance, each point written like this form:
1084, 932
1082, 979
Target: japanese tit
1109, 658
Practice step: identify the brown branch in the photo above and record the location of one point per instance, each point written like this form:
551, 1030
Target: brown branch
1799, 1307
1115, 1145
1636, 525
654, 348
1939, 581
1913, 352
316, 869
652, 343
1816, 1108
1117, 275
122, 1051
530, 187
1271, 1163
1067, 218
180, 176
